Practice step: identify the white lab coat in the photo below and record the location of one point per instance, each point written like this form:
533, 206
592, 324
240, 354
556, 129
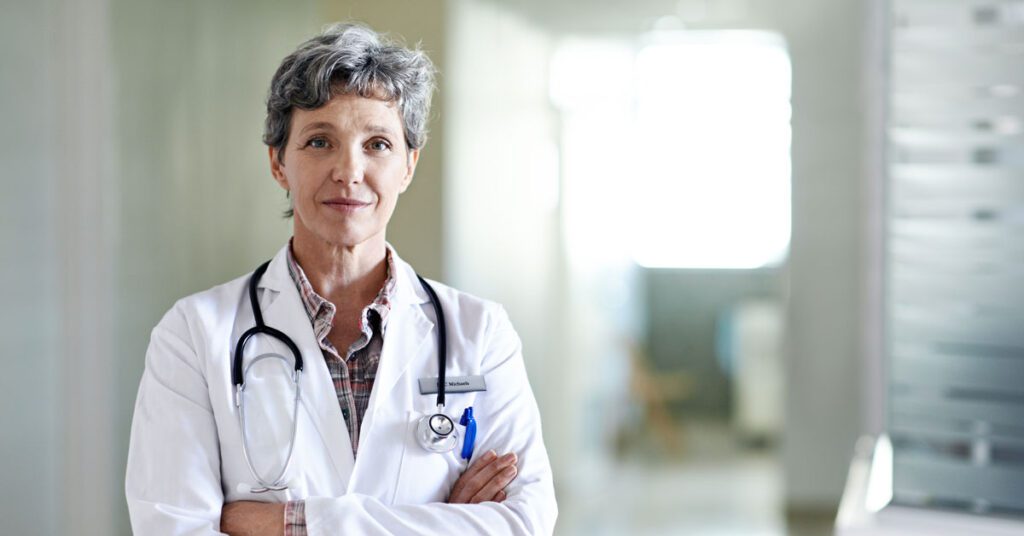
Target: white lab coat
185, 458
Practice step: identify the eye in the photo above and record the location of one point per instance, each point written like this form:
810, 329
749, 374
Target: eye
379, 145
317, 143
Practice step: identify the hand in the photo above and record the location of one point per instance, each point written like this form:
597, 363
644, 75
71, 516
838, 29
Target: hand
250, 518
485, 480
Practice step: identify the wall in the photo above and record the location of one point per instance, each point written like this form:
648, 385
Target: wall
29, 301
826, 267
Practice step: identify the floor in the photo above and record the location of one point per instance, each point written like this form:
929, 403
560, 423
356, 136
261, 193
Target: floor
713, 487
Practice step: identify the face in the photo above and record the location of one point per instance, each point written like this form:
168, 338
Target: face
344, 165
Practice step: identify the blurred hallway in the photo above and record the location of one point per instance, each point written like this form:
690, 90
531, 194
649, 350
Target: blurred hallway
711, 486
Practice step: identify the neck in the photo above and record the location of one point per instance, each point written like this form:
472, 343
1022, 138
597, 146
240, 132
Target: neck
341, 274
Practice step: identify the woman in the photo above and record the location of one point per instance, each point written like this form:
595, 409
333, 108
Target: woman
333, 424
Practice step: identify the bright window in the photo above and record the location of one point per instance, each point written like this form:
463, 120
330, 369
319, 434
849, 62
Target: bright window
693, 164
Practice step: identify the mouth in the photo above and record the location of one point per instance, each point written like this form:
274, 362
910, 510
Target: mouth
345, 204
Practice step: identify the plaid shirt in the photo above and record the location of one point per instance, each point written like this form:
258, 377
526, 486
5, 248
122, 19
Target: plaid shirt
353, 376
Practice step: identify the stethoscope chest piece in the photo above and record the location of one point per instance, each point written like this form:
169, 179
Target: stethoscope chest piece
437, 433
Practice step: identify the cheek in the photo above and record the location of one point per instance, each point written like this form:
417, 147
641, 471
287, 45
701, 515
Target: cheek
306, 178
391, 183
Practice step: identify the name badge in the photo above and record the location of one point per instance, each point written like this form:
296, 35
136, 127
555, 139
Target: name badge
453, 384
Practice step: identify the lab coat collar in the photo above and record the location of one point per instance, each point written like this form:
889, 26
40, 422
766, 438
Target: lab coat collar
408, 290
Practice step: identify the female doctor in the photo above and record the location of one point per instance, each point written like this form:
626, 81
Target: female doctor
307, 397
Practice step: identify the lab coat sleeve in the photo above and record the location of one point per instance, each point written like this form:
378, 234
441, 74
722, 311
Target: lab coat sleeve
173, 476
514, 426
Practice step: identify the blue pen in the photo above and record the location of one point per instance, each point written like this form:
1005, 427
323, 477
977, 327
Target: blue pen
470, 437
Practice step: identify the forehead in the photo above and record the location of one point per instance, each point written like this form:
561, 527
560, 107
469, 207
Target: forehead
349, 111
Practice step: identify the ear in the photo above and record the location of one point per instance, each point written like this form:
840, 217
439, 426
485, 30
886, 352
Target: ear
277, 168
414, 157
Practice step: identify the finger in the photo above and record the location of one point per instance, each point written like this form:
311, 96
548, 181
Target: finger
460, 485
495, 485
488, 458
500, 496
482, 462
470, 485
476, 482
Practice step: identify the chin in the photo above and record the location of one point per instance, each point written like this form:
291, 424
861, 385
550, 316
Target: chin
345, 233
345, 238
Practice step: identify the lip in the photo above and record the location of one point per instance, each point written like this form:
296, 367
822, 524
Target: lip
346, 204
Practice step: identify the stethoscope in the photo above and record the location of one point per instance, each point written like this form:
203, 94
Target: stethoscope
436, 432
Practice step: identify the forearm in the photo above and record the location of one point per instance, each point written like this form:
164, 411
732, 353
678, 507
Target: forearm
484, 481
250, 518
361, 514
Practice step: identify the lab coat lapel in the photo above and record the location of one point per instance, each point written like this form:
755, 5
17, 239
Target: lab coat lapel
406, 340
407, 332
286, 313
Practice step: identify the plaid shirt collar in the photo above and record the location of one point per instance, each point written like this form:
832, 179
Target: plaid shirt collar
321, 311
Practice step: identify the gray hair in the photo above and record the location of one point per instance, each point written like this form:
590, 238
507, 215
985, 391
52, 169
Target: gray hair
350, 58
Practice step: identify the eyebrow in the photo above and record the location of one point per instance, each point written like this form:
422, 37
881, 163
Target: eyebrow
379, 129
316, 125
375, 129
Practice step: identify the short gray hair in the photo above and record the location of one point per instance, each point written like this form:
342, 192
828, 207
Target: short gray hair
350, 58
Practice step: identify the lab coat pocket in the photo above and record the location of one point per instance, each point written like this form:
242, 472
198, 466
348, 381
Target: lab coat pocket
424, 476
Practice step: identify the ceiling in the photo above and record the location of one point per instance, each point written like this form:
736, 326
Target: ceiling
618, 16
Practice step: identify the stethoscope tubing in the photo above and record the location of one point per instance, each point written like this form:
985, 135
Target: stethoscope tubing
442, 341
238, 375
278, 483
237, 378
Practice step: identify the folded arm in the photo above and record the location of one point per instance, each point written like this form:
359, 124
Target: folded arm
484, 481
172, 482
513, 425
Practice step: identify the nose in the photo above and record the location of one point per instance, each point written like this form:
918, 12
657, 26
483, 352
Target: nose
350, 166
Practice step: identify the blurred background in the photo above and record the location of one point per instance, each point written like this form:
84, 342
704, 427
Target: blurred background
735, 236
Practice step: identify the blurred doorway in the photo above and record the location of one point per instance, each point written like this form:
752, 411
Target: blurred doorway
676, 213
